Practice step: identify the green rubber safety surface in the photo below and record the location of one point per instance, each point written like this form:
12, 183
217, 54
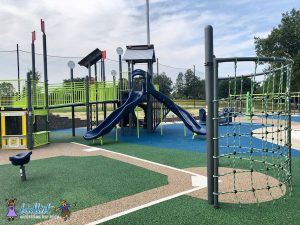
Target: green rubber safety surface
188, 210
88, 181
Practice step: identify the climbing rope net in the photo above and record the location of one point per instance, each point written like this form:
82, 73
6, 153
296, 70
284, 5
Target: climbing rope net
254, 154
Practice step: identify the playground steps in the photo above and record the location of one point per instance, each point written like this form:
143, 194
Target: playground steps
58, 122
160, 112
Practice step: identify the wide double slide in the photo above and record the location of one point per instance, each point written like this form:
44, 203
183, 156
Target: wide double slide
184, 115
134, 98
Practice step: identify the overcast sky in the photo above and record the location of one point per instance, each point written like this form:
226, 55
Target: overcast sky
74, 28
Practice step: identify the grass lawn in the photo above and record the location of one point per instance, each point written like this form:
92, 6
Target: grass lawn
86, 180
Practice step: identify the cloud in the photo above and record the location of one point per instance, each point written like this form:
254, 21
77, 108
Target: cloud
74, 28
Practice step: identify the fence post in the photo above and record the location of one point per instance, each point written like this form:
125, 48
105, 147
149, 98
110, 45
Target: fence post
209, 102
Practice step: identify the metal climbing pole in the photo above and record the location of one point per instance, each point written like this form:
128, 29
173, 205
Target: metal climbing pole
215, 135
209, 102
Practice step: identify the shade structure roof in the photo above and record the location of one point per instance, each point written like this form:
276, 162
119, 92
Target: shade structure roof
91, 58
139, 54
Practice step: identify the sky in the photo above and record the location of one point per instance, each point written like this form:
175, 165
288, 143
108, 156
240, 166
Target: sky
75, 28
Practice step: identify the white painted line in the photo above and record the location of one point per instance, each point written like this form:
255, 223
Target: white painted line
201, 182
198, 181
143, 160
295, 115
295, 134
91, 149
105, 219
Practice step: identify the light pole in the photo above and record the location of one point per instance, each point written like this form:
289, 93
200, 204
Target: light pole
71, 65
148, 23
114, 73
195, 86
18, 66
120, 53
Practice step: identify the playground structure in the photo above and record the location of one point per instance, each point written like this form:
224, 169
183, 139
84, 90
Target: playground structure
237, 146
25, 103
137, 97
28, 109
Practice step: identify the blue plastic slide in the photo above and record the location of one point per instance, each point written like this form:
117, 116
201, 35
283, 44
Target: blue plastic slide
135, 97
185, 116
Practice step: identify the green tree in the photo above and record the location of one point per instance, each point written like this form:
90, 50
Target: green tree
200, 85
76, 79
237, 86
179, 86
164, 82
190, 81
189, 86
284, 41
37, 75
7, 89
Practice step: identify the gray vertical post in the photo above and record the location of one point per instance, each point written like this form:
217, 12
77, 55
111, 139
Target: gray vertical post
104, 79
101, 70
209, 102
73, 108
87, 103
149, 99
216, 135
90, 73
33, 97
194, 86
33, 69
121, 77
45, 71
96, 80
33, 60
121, 88
148, 22
131, 87
157, 67
101, 77
289, 73
156, 103
29, 114
18, 66
90, 107
129, 76
45, 68
22, 173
